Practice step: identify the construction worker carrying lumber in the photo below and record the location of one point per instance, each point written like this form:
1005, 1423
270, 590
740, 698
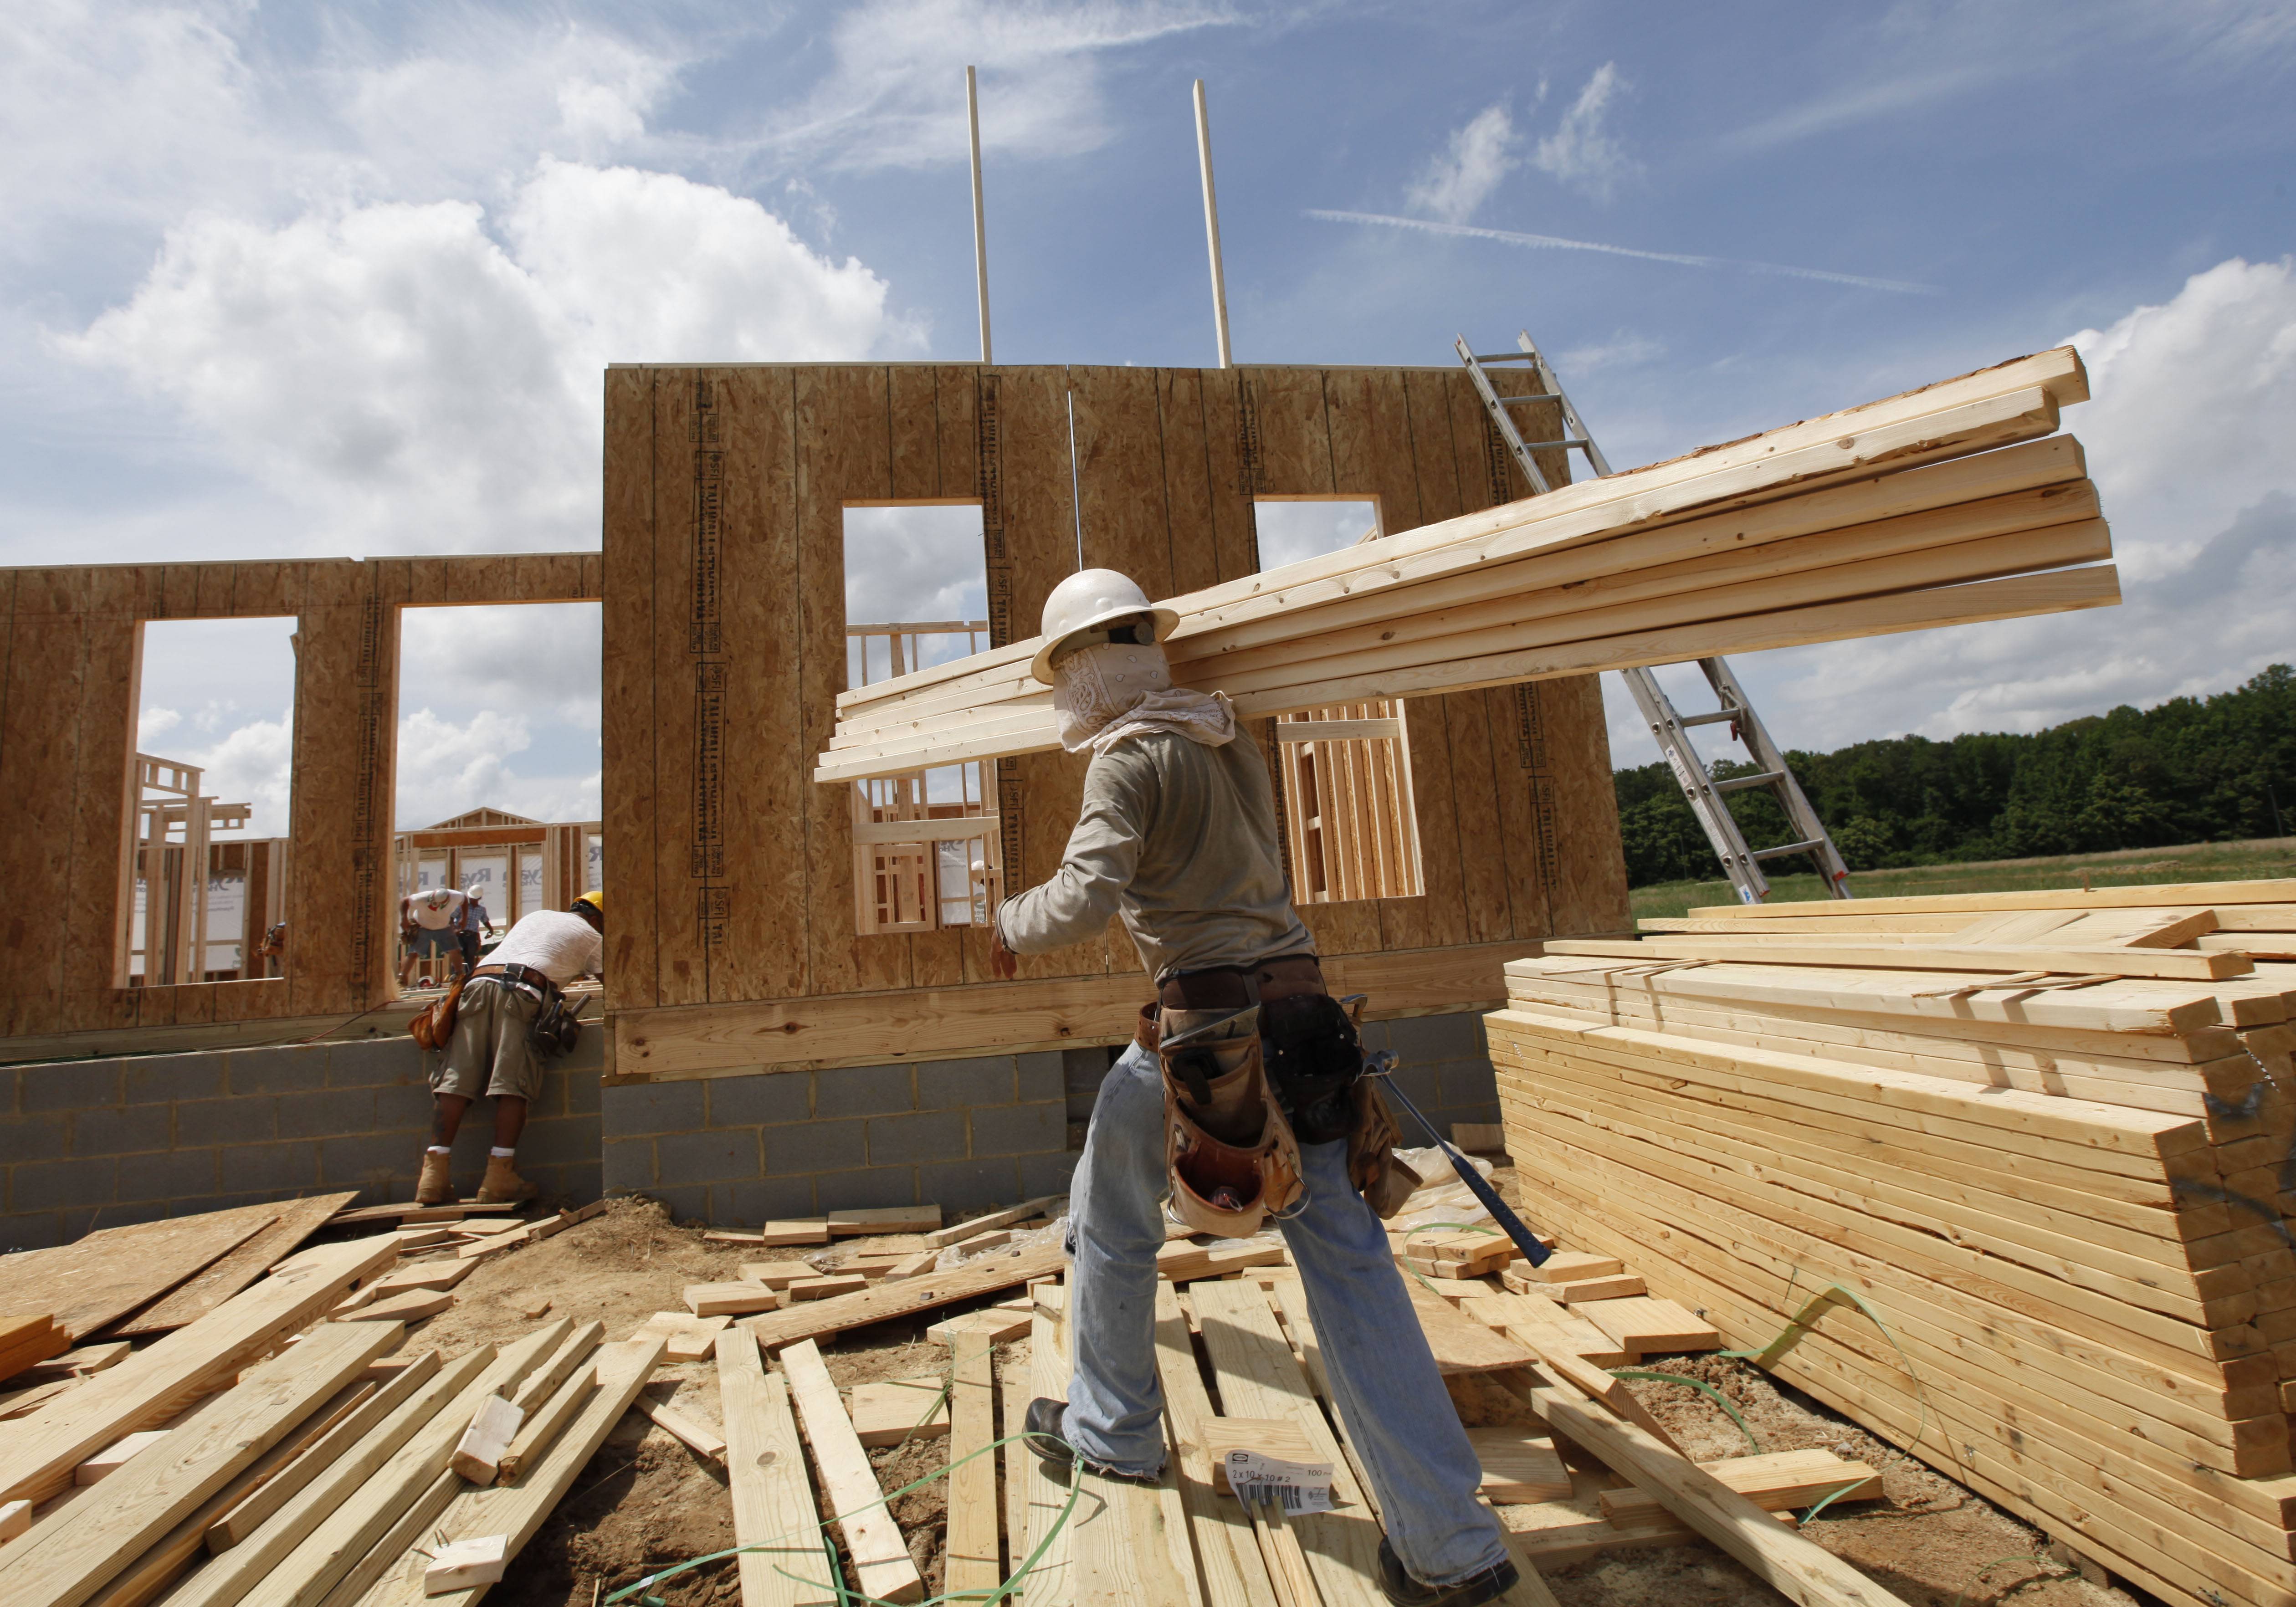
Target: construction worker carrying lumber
1240, 1098
507, 1004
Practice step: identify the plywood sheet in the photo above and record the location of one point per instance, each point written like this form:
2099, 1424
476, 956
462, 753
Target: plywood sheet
297, 1220
88, 1284
1589, 891
763, 888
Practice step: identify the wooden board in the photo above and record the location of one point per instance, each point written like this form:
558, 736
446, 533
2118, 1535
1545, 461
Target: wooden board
891, 1411
66, 1558
88, 1284
39, 1454
815, 1318
971, 1549
1459, 1344
850, 1496
297, 1220
1519, 1465
765, 1464
1775, 1482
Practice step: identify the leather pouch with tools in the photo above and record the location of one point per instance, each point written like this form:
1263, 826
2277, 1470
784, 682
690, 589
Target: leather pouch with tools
1228, 1150
1315, 1058
434, 1023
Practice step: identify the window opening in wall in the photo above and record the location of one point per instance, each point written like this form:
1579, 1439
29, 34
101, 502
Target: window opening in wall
1350, 829
498, 771
210, 781
927, 852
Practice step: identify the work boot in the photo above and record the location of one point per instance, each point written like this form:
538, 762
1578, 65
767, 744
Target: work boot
1045, 1428
437, 1186
503, 1184
1400, 1589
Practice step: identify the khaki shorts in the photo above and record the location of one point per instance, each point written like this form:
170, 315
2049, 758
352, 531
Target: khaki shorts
488, 1051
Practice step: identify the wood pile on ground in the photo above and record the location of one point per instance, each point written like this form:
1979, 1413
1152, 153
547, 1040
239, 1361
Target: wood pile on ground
289, 1447
2000, 1176
1940, 506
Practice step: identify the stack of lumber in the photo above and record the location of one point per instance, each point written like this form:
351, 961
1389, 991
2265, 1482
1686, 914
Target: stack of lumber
1897, 515
26, 1341
2000, 1176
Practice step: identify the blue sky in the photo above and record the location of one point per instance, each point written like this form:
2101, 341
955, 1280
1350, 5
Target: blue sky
338, 278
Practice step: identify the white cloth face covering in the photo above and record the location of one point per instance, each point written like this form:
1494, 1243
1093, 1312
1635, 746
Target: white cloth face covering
1112, 690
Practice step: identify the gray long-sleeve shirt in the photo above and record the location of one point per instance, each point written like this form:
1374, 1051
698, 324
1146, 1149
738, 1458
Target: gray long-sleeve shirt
1179, 839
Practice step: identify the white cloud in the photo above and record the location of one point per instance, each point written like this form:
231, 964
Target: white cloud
447, 767
1624, 350
1581, 152
895, 97
1481, 154
417, 384
2186, 438
153, 724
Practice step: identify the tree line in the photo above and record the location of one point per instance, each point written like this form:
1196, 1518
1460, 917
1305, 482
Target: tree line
2188, 770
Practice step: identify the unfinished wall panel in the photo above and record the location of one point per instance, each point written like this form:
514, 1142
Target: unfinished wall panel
686, 842
763, 888
98, 902
1590, 884
38, 776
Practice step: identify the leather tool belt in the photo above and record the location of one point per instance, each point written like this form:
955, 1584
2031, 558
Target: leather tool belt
1240, 1098
525, 976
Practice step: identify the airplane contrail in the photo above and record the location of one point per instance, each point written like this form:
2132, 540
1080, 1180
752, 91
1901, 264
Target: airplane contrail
1556, 243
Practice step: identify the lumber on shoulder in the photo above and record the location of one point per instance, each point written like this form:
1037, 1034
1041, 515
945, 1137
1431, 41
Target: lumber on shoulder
66, 1558
1896, 433
39, 1454
1798, 1569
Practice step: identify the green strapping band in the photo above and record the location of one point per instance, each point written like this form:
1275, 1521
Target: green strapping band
1815, 1307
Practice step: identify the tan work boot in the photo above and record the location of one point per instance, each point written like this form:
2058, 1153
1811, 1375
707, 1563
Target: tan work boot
504, 1185
437, 1186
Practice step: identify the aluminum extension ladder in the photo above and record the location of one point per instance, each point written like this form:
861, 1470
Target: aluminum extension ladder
1744, 863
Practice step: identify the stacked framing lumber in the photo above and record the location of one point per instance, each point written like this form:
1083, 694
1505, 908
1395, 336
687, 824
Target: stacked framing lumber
2057, 1186
726, 488
1858, 523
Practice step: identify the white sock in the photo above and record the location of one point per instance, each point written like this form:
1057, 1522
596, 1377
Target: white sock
438, 1149
504, 1154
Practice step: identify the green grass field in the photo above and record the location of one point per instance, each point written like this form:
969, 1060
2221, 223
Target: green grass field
2257, 859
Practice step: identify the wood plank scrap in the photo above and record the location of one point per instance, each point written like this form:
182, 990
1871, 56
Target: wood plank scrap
765, 1465
90, 1283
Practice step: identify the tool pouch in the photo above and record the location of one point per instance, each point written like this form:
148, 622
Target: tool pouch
434, 1024
1229, 1152
1384, 1181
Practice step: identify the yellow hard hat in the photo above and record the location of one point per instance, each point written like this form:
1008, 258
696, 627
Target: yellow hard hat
594, 899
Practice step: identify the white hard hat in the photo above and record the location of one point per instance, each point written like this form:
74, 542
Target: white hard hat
1090, 599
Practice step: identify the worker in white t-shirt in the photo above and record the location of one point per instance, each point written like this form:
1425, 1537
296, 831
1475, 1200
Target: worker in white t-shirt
431, 924
492, 1051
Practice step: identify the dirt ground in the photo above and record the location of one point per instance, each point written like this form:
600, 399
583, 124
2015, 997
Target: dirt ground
647, 1503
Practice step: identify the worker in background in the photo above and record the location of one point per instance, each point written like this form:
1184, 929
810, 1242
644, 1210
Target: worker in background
492, 1050
475, 924
1177, 836
430, 925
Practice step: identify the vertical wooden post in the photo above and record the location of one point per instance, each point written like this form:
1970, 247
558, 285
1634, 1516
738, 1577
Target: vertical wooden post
980, 217
1212, 226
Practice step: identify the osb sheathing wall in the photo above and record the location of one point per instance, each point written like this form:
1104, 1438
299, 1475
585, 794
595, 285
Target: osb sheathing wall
732, 942
71, 644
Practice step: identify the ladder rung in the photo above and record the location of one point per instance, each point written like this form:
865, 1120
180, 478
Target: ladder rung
1739, 783
1566, 445
1715, 718
1791, 848
1531, 396
1503, 356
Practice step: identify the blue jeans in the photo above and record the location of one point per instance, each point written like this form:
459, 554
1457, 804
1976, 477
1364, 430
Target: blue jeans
1399, 1416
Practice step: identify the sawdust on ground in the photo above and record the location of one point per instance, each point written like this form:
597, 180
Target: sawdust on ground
647, 1503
